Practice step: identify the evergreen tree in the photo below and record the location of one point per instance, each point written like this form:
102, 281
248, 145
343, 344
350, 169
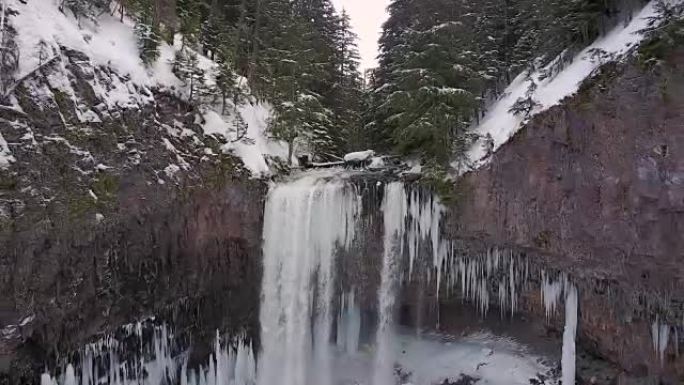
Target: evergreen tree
189, 17
147, 30
443, 61
185, 67
9, 53
347, 89
89, 9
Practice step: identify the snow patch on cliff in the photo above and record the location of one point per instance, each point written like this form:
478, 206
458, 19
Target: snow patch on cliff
500, 124
121, 80
5, 154
255, 147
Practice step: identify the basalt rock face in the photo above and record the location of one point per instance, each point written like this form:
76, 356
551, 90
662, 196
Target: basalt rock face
595, 187
117, 213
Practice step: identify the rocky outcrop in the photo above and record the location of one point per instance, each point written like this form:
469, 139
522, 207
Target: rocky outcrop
114, 211
595, 187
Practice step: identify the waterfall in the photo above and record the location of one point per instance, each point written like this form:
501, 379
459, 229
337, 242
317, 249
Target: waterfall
348, 324
305, 222
394, 216
568, 356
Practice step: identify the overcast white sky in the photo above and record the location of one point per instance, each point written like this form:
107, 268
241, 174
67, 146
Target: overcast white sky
367, 17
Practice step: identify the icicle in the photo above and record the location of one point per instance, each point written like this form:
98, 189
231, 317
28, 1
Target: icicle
664, 339
511, 277
46, 379
568, 359
660, 334
70, 376
551, 292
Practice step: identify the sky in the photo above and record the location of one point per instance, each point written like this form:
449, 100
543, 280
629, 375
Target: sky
367, 17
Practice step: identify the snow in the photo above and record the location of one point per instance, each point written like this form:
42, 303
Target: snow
171, 170
27, 320
5, 154
109, 43
112, 43
377, 162
360, 156
495, 360
258, 147
502, 124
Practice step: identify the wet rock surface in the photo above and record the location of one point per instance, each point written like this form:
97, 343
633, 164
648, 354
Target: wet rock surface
117, 213
594, 188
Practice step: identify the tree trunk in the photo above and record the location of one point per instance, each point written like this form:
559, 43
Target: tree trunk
290, 151
255, 43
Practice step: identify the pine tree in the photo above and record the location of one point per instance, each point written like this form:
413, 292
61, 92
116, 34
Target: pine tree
189, 16
294, 70
347, 88
9, 53
88, 9
186, 68
442, 62
147, 31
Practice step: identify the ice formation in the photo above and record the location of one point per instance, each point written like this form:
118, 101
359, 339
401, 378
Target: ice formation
660, 333
551, 292
348, 324
103, 362
311, 330
568, 357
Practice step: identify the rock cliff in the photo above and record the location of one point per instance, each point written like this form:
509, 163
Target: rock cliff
124, 212
595, 187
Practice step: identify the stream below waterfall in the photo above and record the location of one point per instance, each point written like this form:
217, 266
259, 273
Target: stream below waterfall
329, 309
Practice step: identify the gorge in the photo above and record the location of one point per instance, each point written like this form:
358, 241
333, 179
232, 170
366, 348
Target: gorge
155, 231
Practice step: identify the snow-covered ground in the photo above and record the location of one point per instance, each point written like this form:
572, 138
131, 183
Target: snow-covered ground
253, 154
501, 124
42, 29
433, 358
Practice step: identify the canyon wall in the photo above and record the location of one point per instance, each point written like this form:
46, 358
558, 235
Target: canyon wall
129, 214
595, 187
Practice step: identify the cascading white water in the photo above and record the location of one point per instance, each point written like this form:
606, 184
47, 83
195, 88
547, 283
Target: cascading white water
394, 217
568, 357
305, 221
348, 324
